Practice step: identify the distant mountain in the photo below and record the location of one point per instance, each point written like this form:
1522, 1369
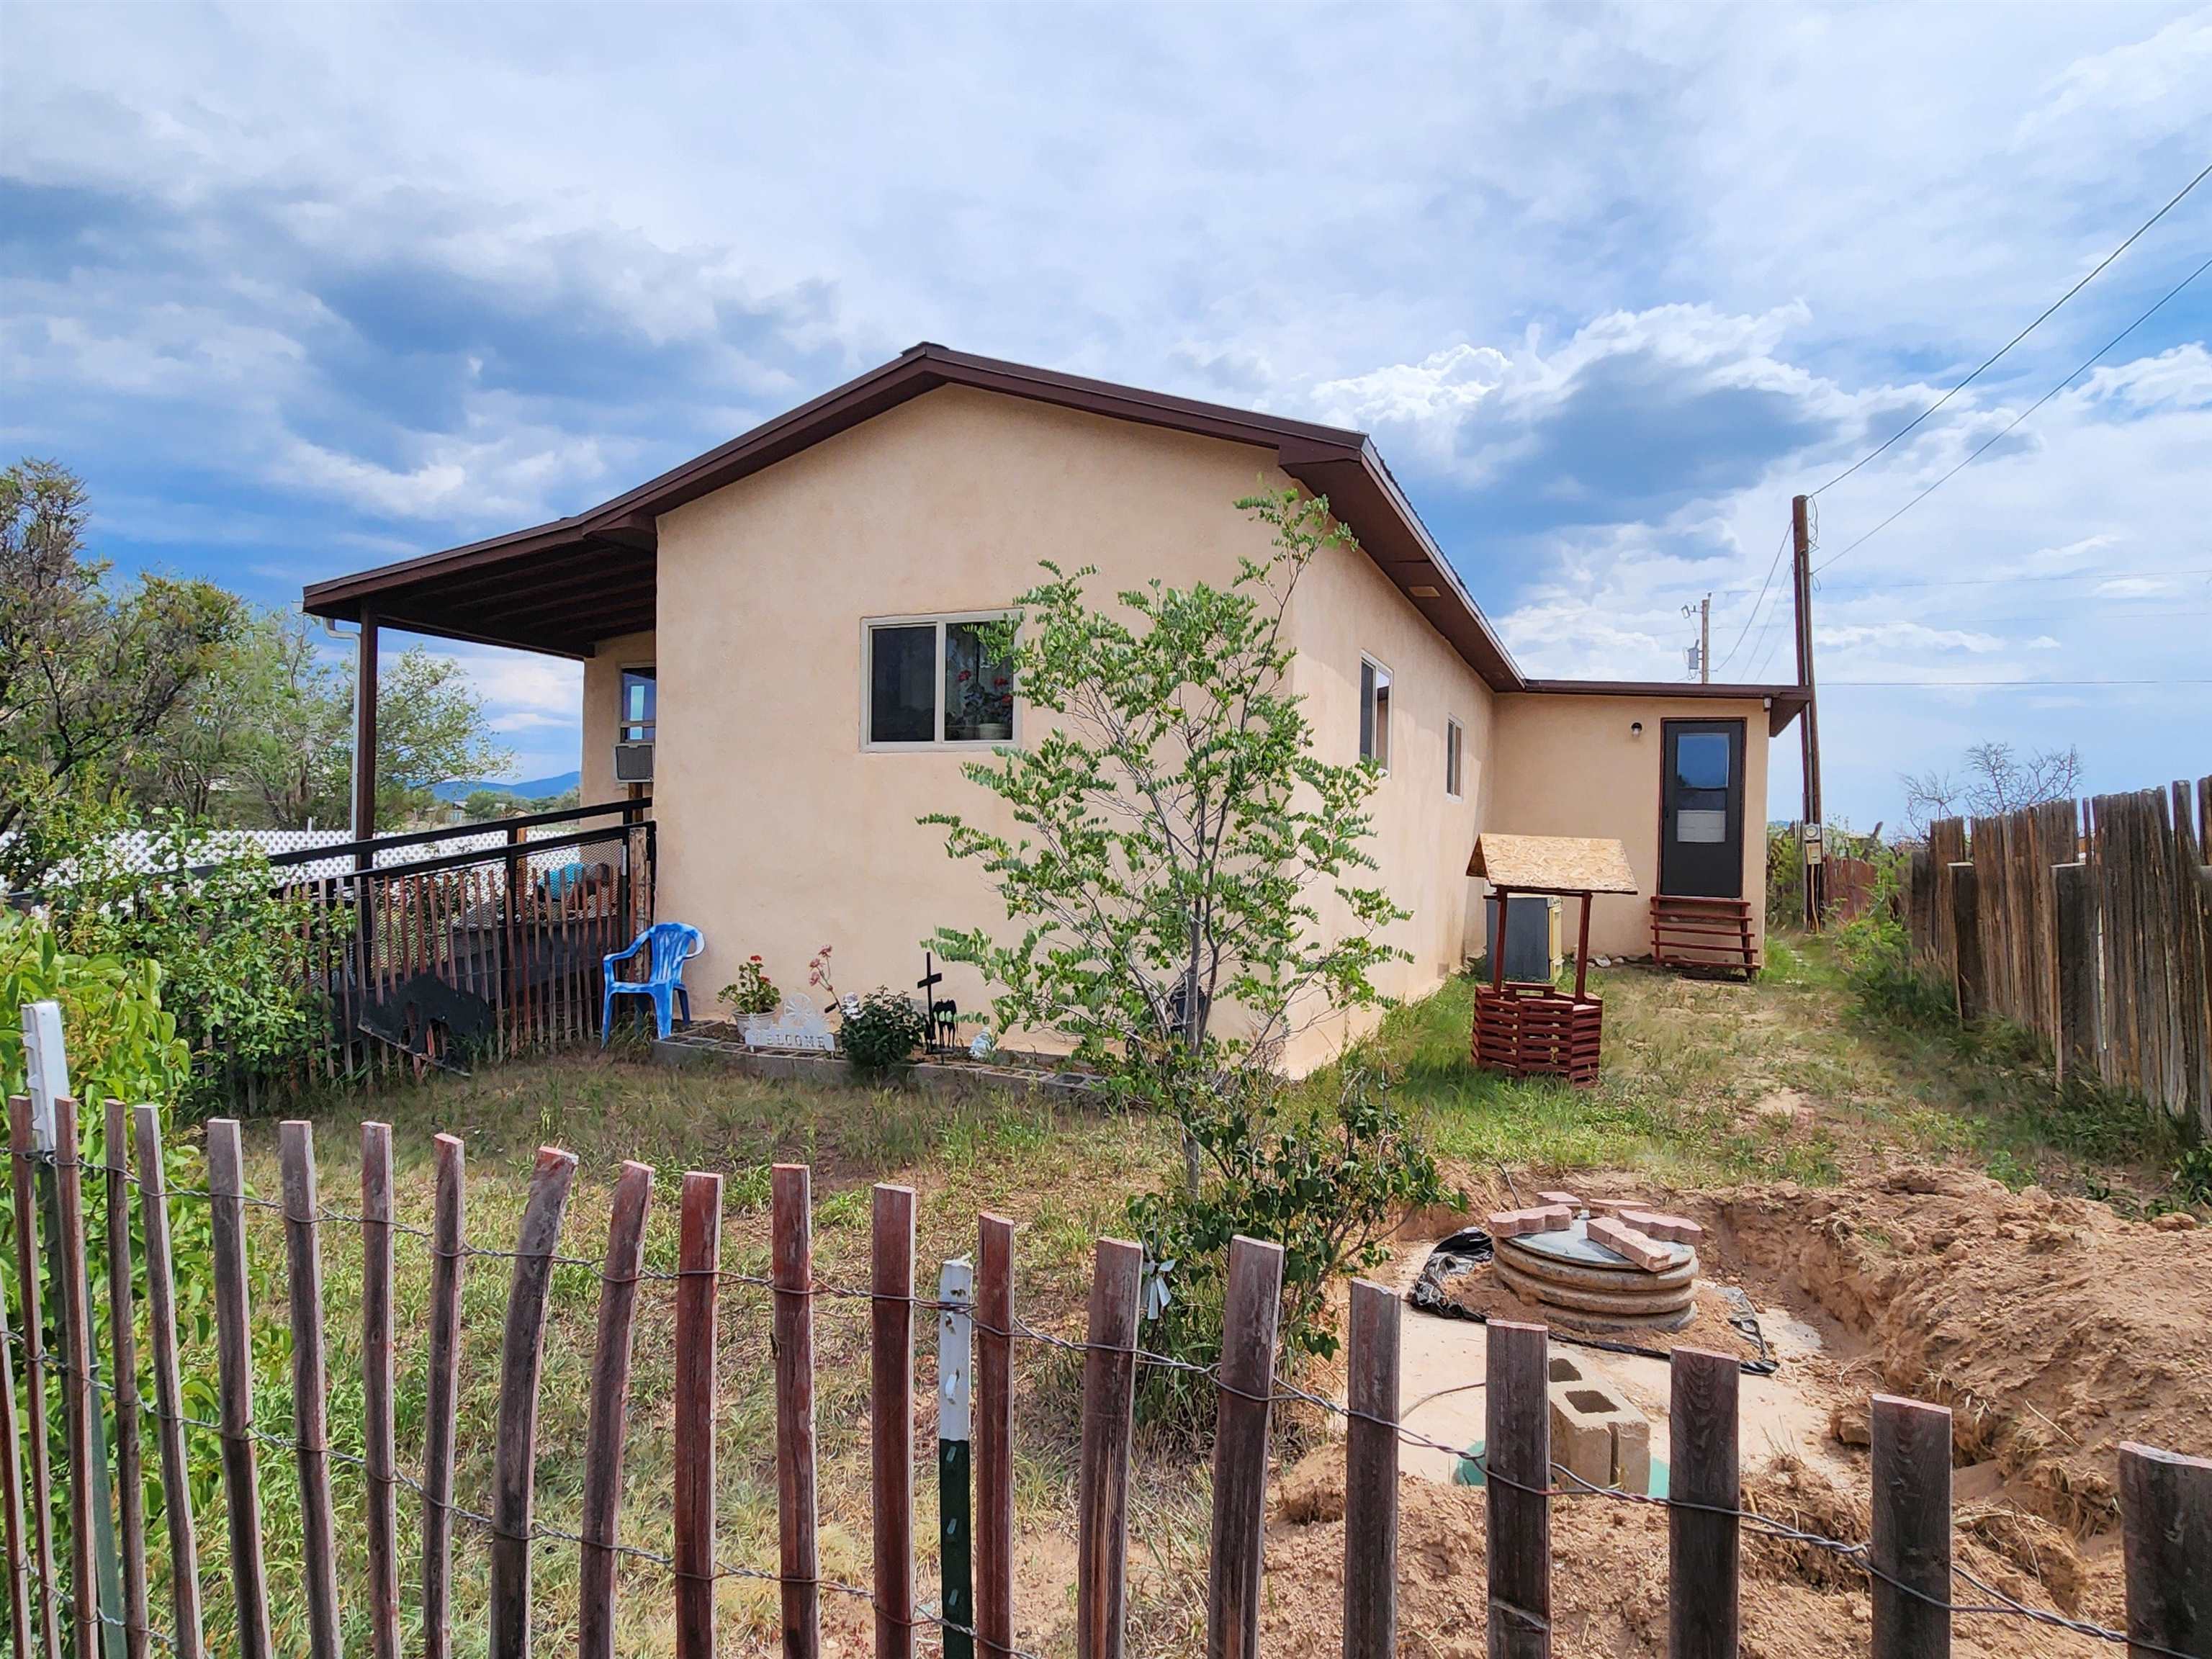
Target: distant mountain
529, 789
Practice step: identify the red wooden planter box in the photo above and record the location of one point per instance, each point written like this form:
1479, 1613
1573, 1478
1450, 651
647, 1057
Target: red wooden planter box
1525, 1030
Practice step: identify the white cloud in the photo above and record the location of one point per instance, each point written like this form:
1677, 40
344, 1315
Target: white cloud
1610, 285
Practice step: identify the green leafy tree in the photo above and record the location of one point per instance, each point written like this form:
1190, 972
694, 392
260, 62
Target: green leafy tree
293, 707
1177, 829
89, 673
1177, 834
234, 955
482, 804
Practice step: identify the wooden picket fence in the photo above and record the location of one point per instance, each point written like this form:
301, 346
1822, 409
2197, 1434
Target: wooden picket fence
2088, 924
2166, 1500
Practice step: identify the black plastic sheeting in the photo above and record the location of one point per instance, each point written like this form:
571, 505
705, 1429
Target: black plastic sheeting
1470, 1248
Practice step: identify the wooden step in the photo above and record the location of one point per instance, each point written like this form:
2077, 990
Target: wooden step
1695, 930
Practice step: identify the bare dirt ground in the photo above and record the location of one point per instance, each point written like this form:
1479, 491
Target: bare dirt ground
2052, 1328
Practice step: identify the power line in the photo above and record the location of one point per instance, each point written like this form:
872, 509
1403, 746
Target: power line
2089, 363
1772, 565
2018, 337
2059, 576
2027, 684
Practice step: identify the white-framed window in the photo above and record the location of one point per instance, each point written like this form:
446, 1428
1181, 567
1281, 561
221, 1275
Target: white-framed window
933, 682
1375, 713
1455, 742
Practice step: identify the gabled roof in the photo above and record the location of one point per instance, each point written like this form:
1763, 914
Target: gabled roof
562, 587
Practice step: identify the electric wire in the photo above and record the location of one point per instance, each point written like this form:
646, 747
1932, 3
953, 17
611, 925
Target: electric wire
1987, 362
2007, 429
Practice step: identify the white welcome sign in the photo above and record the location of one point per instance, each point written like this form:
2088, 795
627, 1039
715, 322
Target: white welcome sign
797, 1026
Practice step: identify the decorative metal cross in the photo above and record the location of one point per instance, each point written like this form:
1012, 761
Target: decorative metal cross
943, 1015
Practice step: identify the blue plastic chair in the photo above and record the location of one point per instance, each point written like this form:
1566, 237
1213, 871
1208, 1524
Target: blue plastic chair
673, 943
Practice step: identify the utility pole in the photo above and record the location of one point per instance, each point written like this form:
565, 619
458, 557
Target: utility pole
1815, 850
1701, 654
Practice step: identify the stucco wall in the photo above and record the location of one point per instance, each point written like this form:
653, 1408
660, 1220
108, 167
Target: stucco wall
1571, 766
781, 833
603, 672
1346, 609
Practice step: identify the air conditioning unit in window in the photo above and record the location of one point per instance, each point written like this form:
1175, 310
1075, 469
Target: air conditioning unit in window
634, 762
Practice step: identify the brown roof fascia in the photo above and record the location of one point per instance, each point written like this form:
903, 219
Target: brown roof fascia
1784, 703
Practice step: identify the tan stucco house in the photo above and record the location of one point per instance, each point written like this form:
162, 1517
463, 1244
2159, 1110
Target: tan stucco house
778, 618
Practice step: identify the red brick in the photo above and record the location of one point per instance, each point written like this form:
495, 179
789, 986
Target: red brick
1674, 1229
1639, 1248
1567, 1199
1513, 1224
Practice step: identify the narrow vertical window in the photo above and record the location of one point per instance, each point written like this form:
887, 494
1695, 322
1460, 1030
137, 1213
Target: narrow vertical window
638, 696
1452, 742
1375, 713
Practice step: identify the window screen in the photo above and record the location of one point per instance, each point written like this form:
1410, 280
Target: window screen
902, 684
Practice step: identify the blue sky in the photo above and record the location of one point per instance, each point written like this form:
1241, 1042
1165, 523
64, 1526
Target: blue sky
299, 291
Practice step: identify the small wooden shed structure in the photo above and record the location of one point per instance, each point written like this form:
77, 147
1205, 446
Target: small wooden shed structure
1535, 1029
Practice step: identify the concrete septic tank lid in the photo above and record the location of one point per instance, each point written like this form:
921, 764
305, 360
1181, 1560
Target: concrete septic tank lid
1575, 1247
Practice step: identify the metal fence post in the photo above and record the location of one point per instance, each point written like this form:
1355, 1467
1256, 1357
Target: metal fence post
956, 1329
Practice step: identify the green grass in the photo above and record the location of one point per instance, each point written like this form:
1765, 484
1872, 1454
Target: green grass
1796, 1076
1064, 1174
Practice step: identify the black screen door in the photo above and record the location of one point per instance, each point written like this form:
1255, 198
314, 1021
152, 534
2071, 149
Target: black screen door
1701, 809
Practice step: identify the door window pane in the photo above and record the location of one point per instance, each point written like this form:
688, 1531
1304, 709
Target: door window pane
979, 687
902, 684
1701, 760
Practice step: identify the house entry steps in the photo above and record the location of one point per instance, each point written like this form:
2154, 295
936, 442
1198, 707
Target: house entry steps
1711, 935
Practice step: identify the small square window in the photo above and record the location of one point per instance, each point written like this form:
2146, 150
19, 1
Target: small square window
1453, 741
1375, 713
937, 680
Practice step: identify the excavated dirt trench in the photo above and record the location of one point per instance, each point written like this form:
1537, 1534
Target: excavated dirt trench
2053, 1328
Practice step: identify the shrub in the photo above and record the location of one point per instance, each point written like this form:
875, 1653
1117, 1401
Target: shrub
1188, 850
882, 1029
2192, 1174
233, 953
1326, 1181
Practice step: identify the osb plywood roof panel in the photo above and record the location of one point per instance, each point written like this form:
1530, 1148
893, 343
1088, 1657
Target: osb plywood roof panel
1552, 864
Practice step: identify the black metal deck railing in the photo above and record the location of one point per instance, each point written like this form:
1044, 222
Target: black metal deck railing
434, 946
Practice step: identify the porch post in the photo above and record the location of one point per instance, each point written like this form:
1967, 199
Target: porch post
364, 731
